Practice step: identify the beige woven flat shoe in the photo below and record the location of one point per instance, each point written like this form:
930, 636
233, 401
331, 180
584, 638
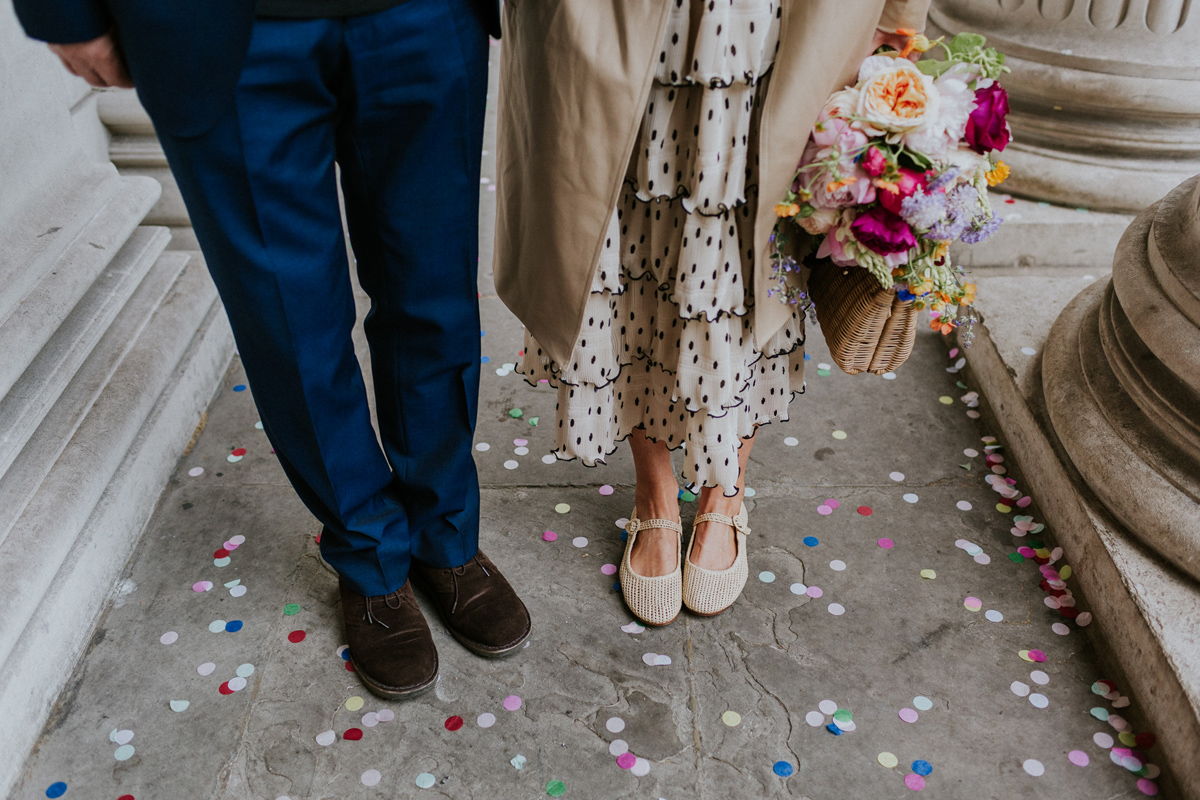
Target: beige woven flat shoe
653, 600
709, 592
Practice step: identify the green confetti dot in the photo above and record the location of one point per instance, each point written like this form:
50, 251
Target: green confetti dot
556, 788
1016, 558
534, 421
823, 372
516, 413
425, 780
291, 609
1099, 713
842, 715
687, 496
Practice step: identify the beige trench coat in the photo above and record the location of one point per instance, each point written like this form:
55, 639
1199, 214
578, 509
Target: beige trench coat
575, 78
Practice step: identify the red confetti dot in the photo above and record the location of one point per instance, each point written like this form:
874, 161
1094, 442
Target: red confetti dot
1069, 613
295, 637
454, 723
1145, 740
865, 511
222, 553
354, 734
241, 451
349, 666
224, 688
125, 797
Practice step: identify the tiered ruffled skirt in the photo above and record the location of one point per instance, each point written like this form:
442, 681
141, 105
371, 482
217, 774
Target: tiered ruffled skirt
667, 342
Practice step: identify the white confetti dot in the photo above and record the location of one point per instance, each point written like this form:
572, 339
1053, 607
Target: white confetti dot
371, 777
911, 498
1084, 619
179, 705
837, 565
385, 715
216, 626
827, 707
1039, 677
798, 588
1020, 689
766, 576
615, 725
196, 472
580, 541
791, 441
483, 447
326, 738
815, 718
1060, 628
889, 376
1029, 351
634, 627
994, 616
549, 458
237, 684
837, 609
206, 668
1034, 768
370, 719
896, 476
237, 591
244, 671
748, 492
521, 451
510, 464
640, 768
124, 752
963, 505
971, 453
239, 540
982, 558
120, 737
486, 720
1039, 700
170, 637
1102, 739
846, 727
618, 747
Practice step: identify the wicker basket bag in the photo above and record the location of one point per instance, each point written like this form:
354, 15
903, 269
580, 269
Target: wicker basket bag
868, 328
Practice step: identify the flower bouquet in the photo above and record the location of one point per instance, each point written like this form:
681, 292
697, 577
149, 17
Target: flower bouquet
896, 169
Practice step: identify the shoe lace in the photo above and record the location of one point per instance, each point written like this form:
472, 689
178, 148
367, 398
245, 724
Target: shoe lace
459, 571
387, 601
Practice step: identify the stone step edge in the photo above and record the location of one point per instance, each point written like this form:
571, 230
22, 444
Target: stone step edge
47, 376
1144, 637
38, 543
46, 657
33, 322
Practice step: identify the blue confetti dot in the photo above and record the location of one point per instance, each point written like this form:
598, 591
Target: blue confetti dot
484, 359
233, 626
624, 535
783, 769
617, 586
922, 767
241, 387
346, 654
56, 789
482, 334
834, 729
807, 357
811, 541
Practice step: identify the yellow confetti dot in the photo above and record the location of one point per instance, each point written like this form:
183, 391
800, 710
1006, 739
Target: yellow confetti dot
354, 703
928, 574
1042, 552
731, 718
887, 760
1064, 571
839, 434
1024, 654
1127, 738
562, 508
946, 400
1002, 508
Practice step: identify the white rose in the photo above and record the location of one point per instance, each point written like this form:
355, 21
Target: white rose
841, 104
819, 222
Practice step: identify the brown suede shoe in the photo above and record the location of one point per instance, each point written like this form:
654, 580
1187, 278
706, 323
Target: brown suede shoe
477, 604
390, 643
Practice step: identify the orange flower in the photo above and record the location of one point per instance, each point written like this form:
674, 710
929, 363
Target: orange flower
833, 186
940, 251
785, 210
998, 174
887, 186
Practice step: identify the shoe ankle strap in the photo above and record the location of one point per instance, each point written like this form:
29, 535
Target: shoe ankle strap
723, 519
634, 525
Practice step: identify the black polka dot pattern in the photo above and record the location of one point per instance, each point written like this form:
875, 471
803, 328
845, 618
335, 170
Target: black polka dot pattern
667, 342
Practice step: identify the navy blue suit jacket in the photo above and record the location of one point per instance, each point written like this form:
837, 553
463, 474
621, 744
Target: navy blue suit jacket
185, 56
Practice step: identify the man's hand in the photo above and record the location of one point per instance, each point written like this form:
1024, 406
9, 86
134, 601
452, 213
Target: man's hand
98, 61
896, 41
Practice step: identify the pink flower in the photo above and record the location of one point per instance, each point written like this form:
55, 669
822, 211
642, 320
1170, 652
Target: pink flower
882, 231
831, 248
987, 127
874, 162
834, 140
910, 183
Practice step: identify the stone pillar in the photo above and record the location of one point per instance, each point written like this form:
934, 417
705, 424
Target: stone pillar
1122, 380
112, 348
1105, 95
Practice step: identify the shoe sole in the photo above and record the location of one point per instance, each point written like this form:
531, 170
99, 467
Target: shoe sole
654, 624
391, 692
480, 650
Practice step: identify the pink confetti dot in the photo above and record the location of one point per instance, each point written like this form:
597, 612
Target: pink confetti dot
886, 544
914, 782
1037, 655
201, 586
1147, 787
832, 503
606, 490
550, 536
609, 569
814, 591
824, 510
908, 715
1024, 502
1078, 758
512, 702
626, 760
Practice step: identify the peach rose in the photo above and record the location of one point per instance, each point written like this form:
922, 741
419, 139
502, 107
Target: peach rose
894, 96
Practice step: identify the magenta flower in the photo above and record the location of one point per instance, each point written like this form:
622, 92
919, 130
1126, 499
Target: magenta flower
883, 232
910, 183
987, 127
874, 162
